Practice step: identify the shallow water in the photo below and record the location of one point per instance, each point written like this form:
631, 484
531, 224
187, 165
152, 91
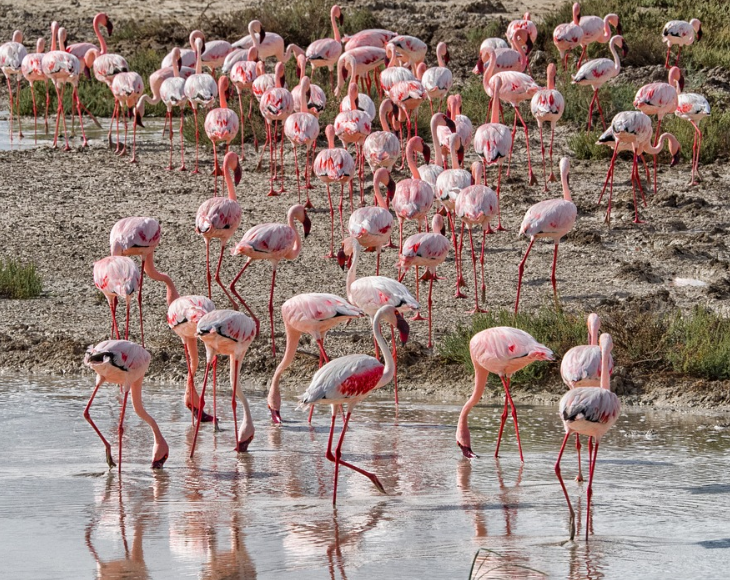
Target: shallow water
661, 496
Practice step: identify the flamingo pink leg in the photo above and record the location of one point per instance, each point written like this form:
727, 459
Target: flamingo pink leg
562, 484
121, 427
589, 491
579, 477
520, 272
232, 287
201, 405
87, 416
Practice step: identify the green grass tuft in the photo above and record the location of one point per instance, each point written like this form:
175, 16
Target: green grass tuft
700, 345
19, 280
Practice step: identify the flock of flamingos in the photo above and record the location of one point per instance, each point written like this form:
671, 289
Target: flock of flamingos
372, 64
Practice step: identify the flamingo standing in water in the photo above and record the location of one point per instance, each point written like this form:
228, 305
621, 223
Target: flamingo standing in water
117, 277
221, 125
428, 250
243, 74
568, 36
682, 34
693, 107
437, 80
302, 128
172, 93
581, 367
32, 69
547, 106
347, 381
501, 350
200, 89
276, 105
597, 29
11, 60
183, 316
124, 363
219, 217
589, 411
353, 127
552, 218
334, 165
230, 333
324, 52
273, 242
382, 148
314, 314
358, 62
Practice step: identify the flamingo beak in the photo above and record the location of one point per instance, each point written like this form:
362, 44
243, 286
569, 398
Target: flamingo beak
427, 153
307, 223
386, 62
441, 210
480, 66
675, 159
356, 104
391, 188
341, 259
450, 124
138, 119
87, 72
624, 48
529, 45
460, 154
447, 57
299, 71
619, 29
262, 35
109, 27
237, 173
341, 19
681, 81
179, 62
403, 328
202, 50
699, 34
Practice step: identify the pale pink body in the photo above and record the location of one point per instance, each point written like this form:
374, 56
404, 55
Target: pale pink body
376, 37
117, 277
268, 44
105, 65
437, 80
506, 59
524, 23
353, 127
547, 106
568, 36
660, 99
324, 52
364, 103
372, 226
358, 62
31, 65
409, 49
382, 148
413, 197
221, 124
394, 72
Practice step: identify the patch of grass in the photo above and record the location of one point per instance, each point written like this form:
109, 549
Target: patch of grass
19, 280
700, 345
583, 144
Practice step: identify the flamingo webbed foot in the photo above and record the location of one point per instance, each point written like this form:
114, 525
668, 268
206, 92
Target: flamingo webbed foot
552, 177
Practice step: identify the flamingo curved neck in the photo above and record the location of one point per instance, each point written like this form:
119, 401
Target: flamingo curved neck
198, 58
566, 187
436, 146
490, 69
656, 149
440, 59
222, 98
97, 30
389, 369
454, 156
229, 184
297, 247
352, 272
617, 62
54, 32
411, 156
384, 119
335, 29
495, 106
606, 28
605, 373
379, 200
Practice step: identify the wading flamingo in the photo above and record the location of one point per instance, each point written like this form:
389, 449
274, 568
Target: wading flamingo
568, 36
552, 219
693, 107
172, 93
243, 74
32, 69
302, 128
501, 350
547, 106
682, 34
11, 60
273, 242
200, 89
589, 411
221, 125
325, 51
597, 29
276, 105
117, 277
382, 148
124, 363
347, 381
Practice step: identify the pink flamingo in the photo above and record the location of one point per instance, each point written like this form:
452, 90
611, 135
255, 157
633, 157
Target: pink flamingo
11, 60
80, 49
376, 37
410, 50
501, 350
273, 242
347, 381
493, 142
507, 59
185, 55
127, 89
552, 218
597, 72
430, 172
462, 127
243, 74
568, 36
363, 103
476, 205
314, 314
428, 250
32, 70
693, 107
117, 277
589, 411
214, 51
302, 128
413, 197
325, 51
547, 106
276, 105
352, 128
524, 23
597, 29
371, 226
682, 34
334, 165
219, 217
451, 181
581, 367
228, 333
408, 96
394, 72
316, 99
124, 363
183, 316
221, 125
382, 148
373, 292
494, 44
437, 80
357, 63
139, 236
200, 89
172, 93
269, 44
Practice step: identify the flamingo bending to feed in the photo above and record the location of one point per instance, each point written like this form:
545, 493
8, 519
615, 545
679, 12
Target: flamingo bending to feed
357, 63
219, 217
376, 37
581, 367
117, 277
524, 23
276, 105
127, 88
547, 106
221, 125
353, 127
124, 363
410, 50
273, 242
413, 196
682, 34
373, 292
597, 72
501, 350
172, 93
693, 107
314, 314
382, 148
200, 89
32, 69
302, 128
243, 74
324, 52
11, 61
183, 316
597, 29
229, 333
347, 381
589, 411
334, 165
428, 250
437, 80
552, 218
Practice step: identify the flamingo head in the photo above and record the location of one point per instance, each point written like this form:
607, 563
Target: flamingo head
306, 224
606, 343
231, 161
594, 325
279, 74
477, 169
301, 65
403, 329
616, 21
197, 41
253, 54
437, 223
336, 12
576, 12
623, 45
138, 114
426, 153
674, 149
447, 56
697, 25
391, 188
479, 67
108, 23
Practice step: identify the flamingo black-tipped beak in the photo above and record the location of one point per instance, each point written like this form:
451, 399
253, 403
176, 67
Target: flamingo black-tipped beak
675, 159
450, 123
699, 34
341, 259
391, 188
307, 223
237, 173
262, 35
427, 153
202, 50
447, 57
480, 66
109, 27
460, 154
681, 81
529, 45
242, 446
386, 61
158, 463
275, 416
441, 210
138, 120
619, 29
341, 19
468, 453
179, 63
443, 230
403, 329
625, 49
87, 72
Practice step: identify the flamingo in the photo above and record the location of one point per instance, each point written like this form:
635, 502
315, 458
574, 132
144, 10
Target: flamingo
437, 80
428, 250
358, 62
371, 226
302, 128
581, 367
347, 381
80, 49
124, 363
547, 106
430, 172
475, 205
597, 72
214, 52
273, 242
568, 36
363, 103
276, 105
393, 72
693, 107
353, 127
183, 316
524, 23
334, 165
507, 59
140, 236
597, 29
314, 314
589, 411
117, 277
200, 89
221, 124
243, 74
11, 59
127, 88
451, 181
316, 99
228, 333
324, 52
219, 217
682, 34
408, 96
269, 44
501, 350
172, 93
376, 37
410, 49
373, 292
382, 148
494, 44
462, 127
185, 56
552, 218
32, 69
